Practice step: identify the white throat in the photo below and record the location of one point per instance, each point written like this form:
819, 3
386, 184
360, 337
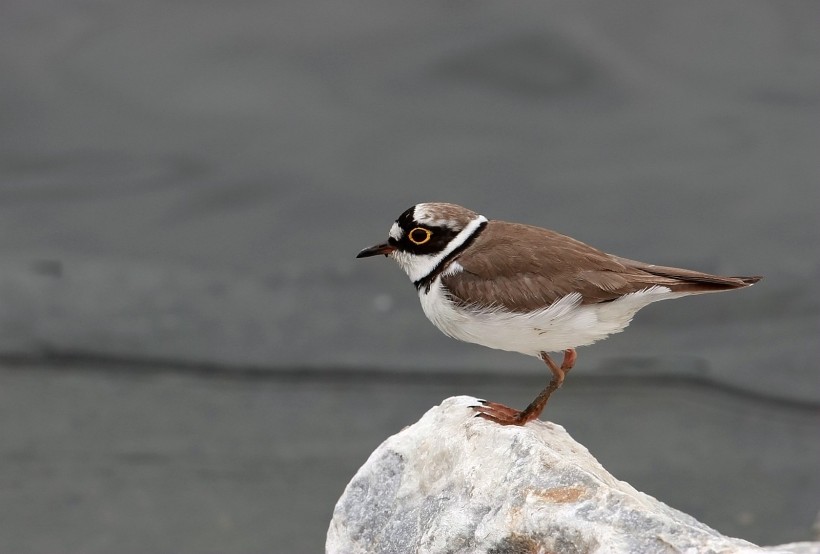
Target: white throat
419, 266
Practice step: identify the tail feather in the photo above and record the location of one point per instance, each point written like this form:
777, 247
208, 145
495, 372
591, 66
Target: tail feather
749, 281
688, 280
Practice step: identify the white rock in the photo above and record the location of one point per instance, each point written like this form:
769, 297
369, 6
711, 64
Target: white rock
453, 483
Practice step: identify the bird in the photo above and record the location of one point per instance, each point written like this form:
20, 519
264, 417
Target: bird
526, 289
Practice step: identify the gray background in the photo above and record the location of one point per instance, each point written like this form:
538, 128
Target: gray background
193, 361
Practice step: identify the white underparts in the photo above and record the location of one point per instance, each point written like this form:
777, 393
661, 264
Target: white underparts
566, 323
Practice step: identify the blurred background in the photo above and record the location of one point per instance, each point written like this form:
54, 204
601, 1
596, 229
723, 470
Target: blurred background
191, 359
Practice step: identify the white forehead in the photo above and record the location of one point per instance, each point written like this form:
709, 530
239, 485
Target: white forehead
427, 214
395, 231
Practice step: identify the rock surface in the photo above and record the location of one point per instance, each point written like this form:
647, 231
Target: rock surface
458, 484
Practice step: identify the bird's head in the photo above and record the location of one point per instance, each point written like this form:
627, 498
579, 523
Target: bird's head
424, 235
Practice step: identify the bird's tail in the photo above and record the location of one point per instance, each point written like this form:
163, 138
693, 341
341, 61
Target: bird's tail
687, 280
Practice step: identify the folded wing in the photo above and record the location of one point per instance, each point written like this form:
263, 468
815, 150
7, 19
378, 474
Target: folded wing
522, 268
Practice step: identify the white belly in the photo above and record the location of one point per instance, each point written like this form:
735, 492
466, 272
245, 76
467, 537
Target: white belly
564, 324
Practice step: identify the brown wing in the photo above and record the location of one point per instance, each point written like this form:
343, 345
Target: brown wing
522, 268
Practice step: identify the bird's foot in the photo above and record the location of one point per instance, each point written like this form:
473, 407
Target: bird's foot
501, 414
504, 415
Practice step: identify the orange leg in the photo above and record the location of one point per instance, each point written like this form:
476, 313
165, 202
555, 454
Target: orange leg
504, 415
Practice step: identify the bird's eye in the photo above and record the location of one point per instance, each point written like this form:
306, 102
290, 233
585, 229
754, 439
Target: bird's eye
419, 235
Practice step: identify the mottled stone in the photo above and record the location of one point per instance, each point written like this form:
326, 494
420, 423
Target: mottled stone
455, 483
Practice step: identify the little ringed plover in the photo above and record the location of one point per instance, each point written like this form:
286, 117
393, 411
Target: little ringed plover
526, 289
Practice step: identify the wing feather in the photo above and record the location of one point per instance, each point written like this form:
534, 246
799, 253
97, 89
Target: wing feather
521, 268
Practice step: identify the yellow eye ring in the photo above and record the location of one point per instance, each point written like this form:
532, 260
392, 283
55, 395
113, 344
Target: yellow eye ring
415, 235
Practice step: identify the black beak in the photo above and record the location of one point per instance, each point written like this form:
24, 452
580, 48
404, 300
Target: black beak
384, 248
